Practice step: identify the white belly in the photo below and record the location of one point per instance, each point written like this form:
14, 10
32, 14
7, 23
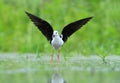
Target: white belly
57, 42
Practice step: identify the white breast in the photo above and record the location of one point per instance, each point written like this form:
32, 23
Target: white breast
57, 42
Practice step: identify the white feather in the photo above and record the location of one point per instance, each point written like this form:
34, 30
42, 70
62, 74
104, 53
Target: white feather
57, 41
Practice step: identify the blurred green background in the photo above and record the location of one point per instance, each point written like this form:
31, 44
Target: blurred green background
100, 36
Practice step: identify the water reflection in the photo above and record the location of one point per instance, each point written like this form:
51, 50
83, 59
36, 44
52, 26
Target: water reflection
56, 76
83, 70
73, 70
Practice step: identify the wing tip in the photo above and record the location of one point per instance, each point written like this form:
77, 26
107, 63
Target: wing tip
90, 17
28, 13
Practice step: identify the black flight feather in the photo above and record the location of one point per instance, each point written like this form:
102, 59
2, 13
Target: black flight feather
73, 27
42, 25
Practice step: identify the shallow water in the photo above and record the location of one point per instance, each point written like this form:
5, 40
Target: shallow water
29, 68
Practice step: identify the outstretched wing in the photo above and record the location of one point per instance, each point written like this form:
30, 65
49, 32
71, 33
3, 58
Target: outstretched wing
73, 27
42, 25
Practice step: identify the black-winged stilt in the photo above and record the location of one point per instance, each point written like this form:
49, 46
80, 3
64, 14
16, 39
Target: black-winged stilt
55, 39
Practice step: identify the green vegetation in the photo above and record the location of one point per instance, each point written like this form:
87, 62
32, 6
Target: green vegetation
99, 36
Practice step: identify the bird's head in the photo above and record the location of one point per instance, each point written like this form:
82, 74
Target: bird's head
55, 34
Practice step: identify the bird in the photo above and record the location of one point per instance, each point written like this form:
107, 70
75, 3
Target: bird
53, 36
57, 78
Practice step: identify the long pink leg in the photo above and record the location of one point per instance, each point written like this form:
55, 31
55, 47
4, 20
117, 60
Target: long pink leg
52, 58
58, 56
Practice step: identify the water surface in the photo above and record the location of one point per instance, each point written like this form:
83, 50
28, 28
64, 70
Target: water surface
29, 68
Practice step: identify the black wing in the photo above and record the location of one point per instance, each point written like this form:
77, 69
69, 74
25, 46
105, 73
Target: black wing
42, 25
73, 27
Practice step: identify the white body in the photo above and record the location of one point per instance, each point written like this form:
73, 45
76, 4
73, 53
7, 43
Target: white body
57, 41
